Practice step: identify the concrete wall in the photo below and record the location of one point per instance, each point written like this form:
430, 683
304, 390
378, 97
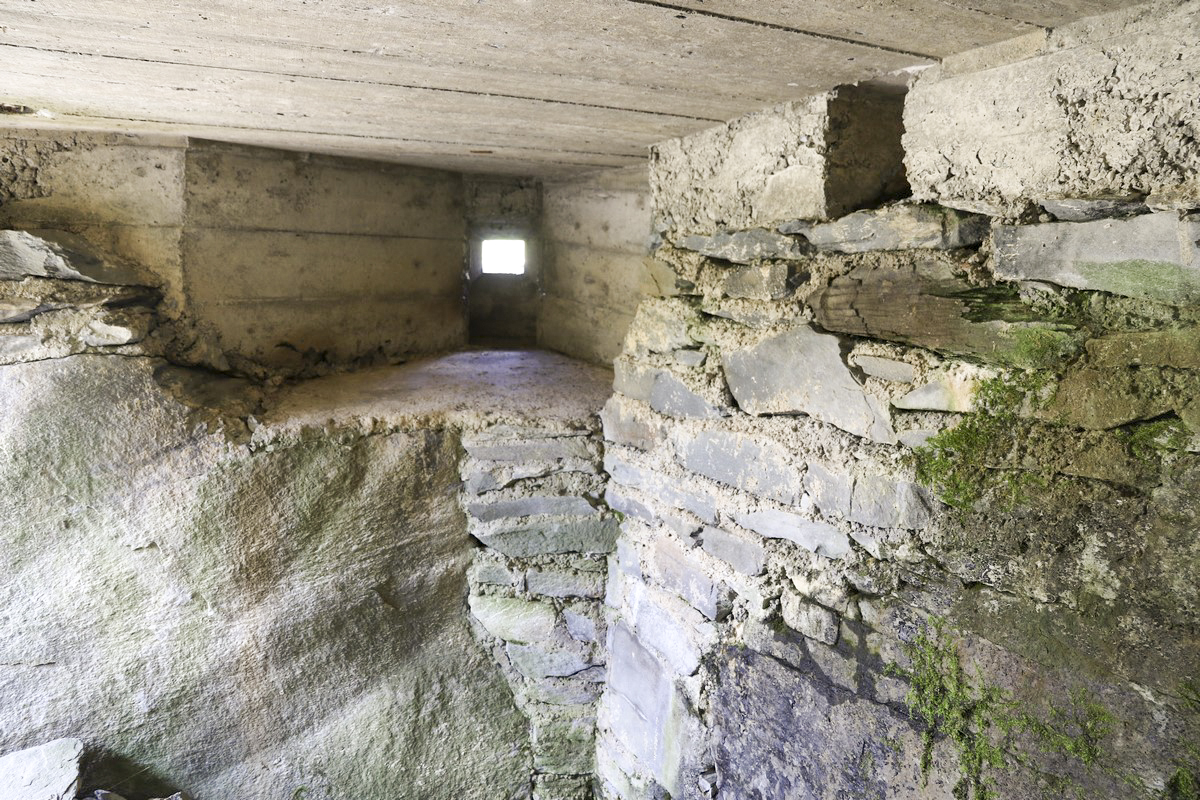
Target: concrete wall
595, 269
123, 193
292, 260
503, 309
268, 260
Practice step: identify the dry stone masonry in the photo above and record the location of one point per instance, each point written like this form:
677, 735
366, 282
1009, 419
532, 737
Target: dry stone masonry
534, 498
907, 491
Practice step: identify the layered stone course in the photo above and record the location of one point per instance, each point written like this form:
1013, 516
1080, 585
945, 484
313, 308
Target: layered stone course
779, 549
535, 499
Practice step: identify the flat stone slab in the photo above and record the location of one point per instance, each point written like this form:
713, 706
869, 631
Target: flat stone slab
817, 537
802, 372
47, 772
744, 247
58, 254
1153, 256
899, 227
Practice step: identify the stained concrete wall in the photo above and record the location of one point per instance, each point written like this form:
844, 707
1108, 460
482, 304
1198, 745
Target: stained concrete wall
123, 193
268, 260
595, 234
292, 259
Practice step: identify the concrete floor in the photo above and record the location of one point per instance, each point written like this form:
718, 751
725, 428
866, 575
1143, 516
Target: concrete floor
469, 390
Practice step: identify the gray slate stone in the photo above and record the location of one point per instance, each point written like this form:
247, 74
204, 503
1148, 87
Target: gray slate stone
540, 449
1153, 256
58, 254
899, 227
887, 368
486, 511
1087, 210
623, 426
810, 619
884, 503
743, 554
760, 468
679, 572
561, 582
744, 247
550, 659
802, 372
513, 619
940, 395
760, 282
818, 537
830, 492
47, 772
672, 397
679, 635
675, 493
539, 536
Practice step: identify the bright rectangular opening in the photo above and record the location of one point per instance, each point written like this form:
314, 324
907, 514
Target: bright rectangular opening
503, 257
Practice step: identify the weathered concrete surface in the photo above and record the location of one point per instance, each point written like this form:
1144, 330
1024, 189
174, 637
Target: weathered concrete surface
293, 260
1100, 108
594, 237
812, 159
193, 602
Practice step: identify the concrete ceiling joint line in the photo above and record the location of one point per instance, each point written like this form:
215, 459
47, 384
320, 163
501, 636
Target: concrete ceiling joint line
347, 135
984, 11
414, 87
776, 26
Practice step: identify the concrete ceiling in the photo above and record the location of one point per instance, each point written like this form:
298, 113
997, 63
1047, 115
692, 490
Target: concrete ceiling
539, 87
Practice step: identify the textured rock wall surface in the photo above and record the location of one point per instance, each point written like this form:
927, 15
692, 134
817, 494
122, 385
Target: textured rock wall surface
909, 487
1105, 107
247, 591
595, 270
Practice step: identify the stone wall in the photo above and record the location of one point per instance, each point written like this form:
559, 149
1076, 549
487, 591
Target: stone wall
909, 501
594, 243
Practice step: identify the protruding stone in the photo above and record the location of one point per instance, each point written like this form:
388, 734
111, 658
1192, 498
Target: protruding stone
949, 393
679, 572
513, 619
885, 503
552, 581
810, 619
1153, 256
830, 491
489, 511
744, 247
802, 372
740, 552
47, 772
541, 535
898, 227
818, 537
889, 369
1179, 348
761, 282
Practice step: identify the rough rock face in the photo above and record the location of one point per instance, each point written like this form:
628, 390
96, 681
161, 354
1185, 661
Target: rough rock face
239, 619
